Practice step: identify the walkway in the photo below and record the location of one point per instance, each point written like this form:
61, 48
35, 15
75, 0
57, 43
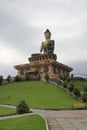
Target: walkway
63, 120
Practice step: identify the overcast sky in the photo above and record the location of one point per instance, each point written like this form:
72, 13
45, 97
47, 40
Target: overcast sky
22, 26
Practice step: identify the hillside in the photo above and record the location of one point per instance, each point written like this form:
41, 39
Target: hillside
37, 94
80, 84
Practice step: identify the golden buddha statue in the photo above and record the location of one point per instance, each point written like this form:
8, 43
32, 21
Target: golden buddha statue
48, 45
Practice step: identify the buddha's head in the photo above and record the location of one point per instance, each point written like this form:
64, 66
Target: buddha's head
47, 34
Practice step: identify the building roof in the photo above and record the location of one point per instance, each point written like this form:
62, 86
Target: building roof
55, 63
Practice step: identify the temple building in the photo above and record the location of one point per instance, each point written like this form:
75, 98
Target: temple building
44, 62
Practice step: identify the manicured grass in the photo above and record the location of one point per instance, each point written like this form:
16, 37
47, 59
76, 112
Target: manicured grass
6, 111
33, 122
37, 94
80, 84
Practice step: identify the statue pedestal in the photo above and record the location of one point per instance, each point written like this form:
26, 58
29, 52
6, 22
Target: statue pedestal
39, 58
42, 64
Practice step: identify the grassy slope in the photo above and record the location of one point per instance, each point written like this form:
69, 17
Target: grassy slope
33, 122
6, 111
80, 84
37, 94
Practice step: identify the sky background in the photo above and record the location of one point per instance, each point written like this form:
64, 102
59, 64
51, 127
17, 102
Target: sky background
22, 26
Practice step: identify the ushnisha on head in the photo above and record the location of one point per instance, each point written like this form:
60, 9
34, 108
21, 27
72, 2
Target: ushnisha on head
47, 34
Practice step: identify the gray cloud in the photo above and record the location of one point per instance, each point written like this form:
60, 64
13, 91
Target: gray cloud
22, 23
79, 67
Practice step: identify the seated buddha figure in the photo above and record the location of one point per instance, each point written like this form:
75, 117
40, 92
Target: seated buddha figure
48, 45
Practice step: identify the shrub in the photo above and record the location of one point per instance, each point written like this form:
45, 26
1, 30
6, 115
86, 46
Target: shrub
77, 92
60, 82
17, 78
64, 77
65, 85
68, 79
84, 97
39, 77
1, 79
85, 88
9, 78
22, 108
47, 77
61, 77
71, 87
27, 77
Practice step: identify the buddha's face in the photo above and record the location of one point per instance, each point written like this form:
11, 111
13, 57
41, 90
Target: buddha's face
47, 35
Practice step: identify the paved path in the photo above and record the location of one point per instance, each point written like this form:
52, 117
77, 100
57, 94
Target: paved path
64, 120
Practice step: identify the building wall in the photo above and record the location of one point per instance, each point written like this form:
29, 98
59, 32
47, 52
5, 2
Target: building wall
52, 70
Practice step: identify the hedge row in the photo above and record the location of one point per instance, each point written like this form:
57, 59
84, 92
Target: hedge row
72, 89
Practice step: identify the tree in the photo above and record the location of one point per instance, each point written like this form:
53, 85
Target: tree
47, 77
17, 78
27, 77
22, 108
72, 76
1, 79
9, 78
39, 77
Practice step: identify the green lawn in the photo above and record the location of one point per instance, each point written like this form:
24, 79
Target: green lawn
6, 111
33, 122
37, 94
80, 84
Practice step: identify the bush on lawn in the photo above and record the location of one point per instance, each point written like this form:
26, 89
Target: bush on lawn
84, 97
17, 78
22, 108
64, 78
1, 79
72, 76
85, 88
61, 77
71, 87
47, 77
27, 77
9, 78
76, 91
65, 84
68, 79
39, 77
59, 82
